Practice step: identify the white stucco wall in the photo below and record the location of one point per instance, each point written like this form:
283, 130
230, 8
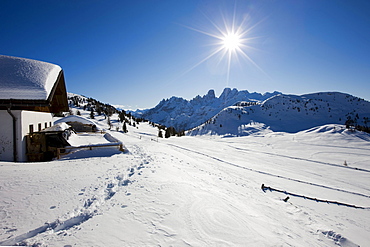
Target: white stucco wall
34, 118
6, 136
24, 120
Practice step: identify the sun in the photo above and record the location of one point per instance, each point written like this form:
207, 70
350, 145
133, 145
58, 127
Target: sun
233, 38
231, 42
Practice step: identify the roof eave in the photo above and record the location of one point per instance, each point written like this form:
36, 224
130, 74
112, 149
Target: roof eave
56, 102
58, 95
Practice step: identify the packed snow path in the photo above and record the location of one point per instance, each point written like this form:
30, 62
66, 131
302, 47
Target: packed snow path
192, 191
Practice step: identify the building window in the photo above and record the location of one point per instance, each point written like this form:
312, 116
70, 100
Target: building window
30, 128
46, 125
39, 125
49, 124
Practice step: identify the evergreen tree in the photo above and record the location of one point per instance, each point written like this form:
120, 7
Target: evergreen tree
121, 116
181, 133
349, 123
124, 128
92, 115
78, 113
170, 131
98, 109
109, 123
366, 121
167, 133
160, 134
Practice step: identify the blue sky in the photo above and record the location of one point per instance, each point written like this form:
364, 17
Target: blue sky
135, 53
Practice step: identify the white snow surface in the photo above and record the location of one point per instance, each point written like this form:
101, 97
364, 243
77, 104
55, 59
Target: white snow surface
57, 127
83, 139
194, 191
28, 79
76, 118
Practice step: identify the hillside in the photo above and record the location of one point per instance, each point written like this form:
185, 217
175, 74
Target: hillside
287, 113
104, 113
186, 114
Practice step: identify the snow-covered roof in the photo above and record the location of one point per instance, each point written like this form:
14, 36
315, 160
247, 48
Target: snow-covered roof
26, 79
58, 127
75, 118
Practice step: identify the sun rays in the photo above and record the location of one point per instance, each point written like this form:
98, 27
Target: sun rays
232, 41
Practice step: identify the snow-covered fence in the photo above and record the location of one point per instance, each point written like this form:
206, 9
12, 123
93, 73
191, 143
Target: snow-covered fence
110, 138
264, 188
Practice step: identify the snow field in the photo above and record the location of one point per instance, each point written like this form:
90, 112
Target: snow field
193, 191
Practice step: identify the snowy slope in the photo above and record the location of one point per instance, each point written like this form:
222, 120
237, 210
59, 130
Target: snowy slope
287, 113
194, 191
186, 114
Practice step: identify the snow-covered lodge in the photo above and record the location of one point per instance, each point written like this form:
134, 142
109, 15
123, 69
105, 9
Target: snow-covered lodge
30, 91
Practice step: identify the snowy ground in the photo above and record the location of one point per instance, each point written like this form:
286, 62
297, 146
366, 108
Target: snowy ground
194, 191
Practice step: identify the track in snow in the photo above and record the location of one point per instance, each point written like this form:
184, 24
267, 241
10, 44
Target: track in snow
303, 159
91, 207
270, 174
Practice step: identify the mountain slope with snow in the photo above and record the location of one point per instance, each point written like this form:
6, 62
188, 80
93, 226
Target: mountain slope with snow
287, 113
186, 114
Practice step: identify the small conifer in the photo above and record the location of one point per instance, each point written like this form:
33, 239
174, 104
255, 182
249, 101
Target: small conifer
92, 115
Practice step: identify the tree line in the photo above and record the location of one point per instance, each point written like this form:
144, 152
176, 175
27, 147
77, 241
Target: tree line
353, 124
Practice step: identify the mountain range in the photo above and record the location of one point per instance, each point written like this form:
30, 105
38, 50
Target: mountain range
241, 113
287, 113
185, 114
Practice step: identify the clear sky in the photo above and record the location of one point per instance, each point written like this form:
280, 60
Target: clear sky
135, 53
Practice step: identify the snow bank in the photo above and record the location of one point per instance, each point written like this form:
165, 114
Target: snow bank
22, 78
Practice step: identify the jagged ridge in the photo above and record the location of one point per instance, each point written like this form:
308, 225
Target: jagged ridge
287, 113
186, 114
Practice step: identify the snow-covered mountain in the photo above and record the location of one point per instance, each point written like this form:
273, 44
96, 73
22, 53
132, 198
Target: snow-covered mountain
287, 113
242, 113
186, 114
